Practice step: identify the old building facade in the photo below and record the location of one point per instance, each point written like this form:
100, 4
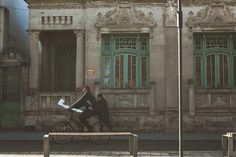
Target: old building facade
13, 61
127, 50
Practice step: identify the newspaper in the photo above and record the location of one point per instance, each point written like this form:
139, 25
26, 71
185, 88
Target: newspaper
61, 103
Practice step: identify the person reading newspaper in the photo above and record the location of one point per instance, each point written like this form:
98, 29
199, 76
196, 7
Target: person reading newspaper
88, 101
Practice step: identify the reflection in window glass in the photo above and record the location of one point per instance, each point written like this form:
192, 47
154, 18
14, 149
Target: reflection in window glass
131, 71
144, 71
119, 71
198, 71
107, 71
223, 71
211, 70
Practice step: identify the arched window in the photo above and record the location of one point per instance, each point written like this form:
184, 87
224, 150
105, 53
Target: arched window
214, 57
125, 60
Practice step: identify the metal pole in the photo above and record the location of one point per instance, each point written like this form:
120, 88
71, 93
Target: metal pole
179, 26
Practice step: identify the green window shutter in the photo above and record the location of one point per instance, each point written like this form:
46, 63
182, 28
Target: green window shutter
128, 57
214, 60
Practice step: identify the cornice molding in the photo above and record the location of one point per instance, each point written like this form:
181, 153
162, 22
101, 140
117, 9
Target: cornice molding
80, 4
216, 16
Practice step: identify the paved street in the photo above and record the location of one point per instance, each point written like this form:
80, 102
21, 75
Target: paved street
150, 145
114, 148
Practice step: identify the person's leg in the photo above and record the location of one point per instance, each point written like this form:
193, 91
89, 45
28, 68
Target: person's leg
83, 118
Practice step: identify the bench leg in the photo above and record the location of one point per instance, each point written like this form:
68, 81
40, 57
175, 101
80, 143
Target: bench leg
46, 145
224, 144
230, 146
133, 145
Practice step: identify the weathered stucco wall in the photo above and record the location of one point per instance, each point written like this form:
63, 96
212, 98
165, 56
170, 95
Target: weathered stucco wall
159, 107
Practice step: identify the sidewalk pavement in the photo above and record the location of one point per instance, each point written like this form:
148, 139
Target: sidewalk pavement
24, 135
124, 154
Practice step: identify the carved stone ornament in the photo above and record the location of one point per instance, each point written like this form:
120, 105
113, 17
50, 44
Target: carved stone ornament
220, 101
12, 56
125, 18
125, 101
216, 16
201, 101
170, 13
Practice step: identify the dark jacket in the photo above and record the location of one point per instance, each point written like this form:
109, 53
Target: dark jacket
87, 100
102, 107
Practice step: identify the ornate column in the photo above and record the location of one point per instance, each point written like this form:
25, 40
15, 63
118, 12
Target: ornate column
191, 99
153, 98
34, 59
80, 60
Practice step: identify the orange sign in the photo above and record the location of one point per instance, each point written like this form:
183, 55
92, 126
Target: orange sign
90, 71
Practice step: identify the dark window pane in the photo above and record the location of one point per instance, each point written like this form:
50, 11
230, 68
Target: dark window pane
223, 71
198, 71
144, 71
211, 71
119, 71
197, 43
107, 45
131, 71
144, 44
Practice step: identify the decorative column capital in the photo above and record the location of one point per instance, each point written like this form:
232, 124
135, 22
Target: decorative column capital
79, 33
34, 33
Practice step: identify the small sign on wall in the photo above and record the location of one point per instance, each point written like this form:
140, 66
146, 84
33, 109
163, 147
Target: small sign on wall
90, 71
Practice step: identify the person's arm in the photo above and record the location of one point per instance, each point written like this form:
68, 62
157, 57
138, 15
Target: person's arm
80, 102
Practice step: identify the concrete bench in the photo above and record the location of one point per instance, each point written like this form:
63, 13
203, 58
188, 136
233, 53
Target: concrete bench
228, 144
133, 140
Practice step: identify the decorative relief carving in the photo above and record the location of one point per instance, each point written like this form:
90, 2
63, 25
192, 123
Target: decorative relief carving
57, 20
125, 15
110, 99
124, 18
12, 55
79, 33
233, 101
216, 15
125, 101
201, 101
220, 101
142, 101
170, 14
34, 34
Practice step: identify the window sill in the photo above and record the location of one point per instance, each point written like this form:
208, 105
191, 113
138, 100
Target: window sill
217, 90
125, 91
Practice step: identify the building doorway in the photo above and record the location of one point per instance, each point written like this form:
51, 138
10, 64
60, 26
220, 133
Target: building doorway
10, 97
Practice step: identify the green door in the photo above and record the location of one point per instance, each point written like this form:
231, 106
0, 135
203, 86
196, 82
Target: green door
10, 97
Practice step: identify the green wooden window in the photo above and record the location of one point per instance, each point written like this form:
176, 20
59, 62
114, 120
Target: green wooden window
215, 60
125, 61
